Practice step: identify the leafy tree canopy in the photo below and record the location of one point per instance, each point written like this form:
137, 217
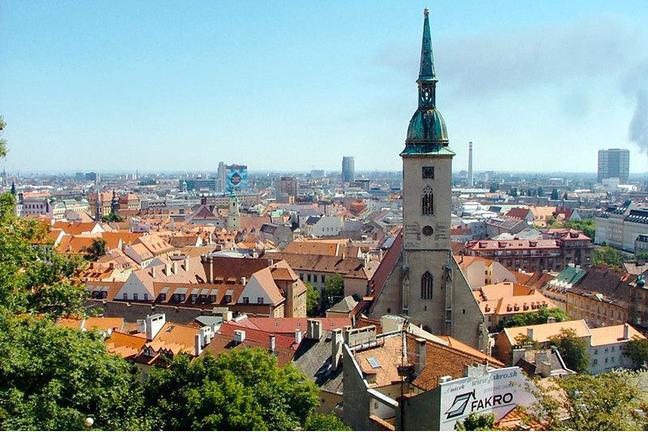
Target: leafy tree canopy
637, 351
325, 422
313, 300
52, 378
589, 402
112, 217
532, 318
333, 290
573, 350
476, 422
97, 249
241, 389
608, 256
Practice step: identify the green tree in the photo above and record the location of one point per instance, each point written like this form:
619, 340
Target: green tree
587, 226
588, 402
607, 255
540, 316
637, 351
573, 350
240, 389
3, 142
325, 422
333, 290
33, 277
476, 422
96, 249
53, 378
313, 299
112, 217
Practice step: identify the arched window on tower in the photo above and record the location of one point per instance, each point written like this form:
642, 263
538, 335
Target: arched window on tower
427, 283
427, 202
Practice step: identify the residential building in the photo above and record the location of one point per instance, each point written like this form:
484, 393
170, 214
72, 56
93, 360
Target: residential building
605, 345
613, 163
556, 288
621, 226
504, 300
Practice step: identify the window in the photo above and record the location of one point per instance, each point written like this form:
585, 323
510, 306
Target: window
595, 362
428, 172
145, 297
301, 276
135, 297
246, 300
125, 296
194, 298
322, 279
260, 300
163, 297
427, 204
228, 298
314, 278
426, 286
308, 277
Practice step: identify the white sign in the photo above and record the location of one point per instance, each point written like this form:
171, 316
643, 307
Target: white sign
497, 391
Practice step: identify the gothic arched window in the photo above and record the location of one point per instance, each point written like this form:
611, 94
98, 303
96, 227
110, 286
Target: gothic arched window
427, 202
426, 286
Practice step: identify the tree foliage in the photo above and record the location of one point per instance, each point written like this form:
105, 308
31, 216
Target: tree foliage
325, 422
97, 249
573, 350
588, 402
608, 256
333, 290
476, 422
637, 351
532, 318
241, 389
112, 217
52, 378
3, 142
33, 277
313, 300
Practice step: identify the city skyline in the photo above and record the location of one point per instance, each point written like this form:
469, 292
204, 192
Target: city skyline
118, 89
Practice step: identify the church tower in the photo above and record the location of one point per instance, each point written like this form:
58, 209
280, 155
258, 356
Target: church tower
427, 189
233, 221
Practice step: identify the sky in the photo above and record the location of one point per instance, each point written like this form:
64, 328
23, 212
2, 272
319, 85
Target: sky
296, 85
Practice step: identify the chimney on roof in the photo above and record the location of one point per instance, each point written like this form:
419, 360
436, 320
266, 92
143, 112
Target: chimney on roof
198, 344
273, 343
167, 269
270, 262
153, 324
153, 272
243, 280
420, 355
175, 267
336, 348
186, 263
239, 336
347, 330
298, 336
314, 329
626, 331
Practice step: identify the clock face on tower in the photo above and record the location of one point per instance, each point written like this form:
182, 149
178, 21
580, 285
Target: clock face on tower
428, 230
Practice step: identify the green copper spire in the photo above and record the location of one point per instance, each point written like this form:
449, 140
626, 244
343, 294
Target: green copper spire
427, 130
426, 72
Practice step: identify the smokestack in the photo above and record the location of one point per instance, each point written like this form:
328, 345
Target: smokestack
470, 165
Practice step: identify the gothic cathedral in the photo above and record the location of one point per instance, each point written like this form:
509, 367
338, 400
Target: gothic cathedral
426, 285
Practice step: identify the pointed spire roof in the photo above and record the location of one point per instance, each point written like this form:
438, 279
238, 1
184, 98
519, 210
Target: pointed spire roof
426, 72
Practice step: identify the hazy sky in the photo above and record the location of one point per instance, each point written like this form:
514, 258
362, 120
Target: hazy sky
295, 85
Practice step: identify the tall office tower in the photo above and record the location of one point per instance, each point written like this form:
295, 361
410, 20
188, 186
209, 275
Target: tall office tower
614, 163
287, 185
348, 169
220, 177
470, 165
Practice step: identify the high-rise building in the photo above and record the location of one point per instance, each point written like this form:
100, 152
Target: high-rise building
287, 185
425, 282
471, 180
348, 169
613, 163
221, 177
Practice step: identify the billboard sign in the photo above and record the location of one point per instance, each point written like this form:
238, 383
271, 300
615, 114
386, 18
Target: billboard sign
495, 391
236, 178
